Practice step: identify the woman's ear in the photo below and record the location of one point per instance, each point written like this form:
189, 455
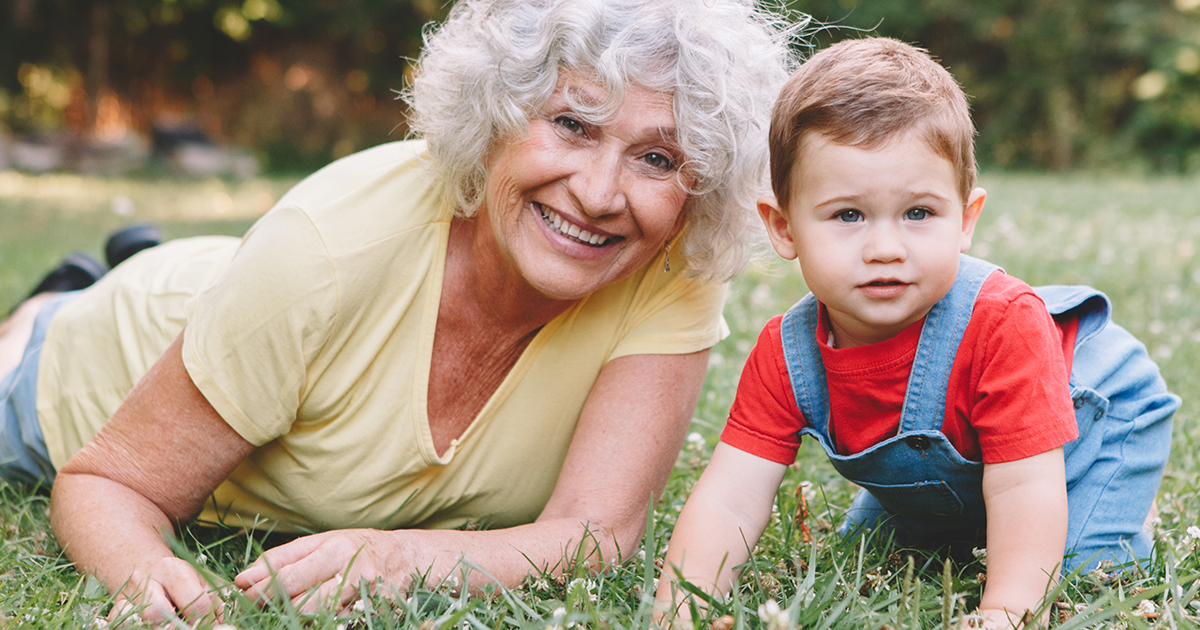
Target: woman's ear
970, 217
775, 219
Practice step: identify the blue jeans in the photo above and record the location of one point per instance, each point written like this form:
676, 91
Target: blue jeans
23, 454
1113, 468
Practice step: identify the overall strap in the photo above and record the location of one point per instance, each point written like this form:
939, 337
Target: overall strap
806, 371
925, 399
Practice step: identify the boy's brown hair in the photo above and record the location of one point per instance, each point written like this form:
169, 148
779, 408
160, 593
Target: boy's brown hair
865, 93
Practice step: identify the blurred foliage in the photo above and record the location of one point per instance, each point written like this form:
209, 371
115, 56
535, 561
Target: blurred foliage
1059, 84
300, 81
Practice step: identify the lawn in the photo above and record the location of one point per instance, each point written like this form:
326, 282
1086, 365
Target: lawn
1133, 238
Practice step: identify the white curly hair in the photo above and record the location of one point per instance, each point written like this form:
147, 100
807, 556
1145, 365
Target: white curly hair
493, 64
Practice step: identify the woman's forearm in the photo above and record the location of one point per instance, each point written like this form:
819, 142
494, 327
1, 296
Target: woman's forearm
105, 528
149, 469
114, 533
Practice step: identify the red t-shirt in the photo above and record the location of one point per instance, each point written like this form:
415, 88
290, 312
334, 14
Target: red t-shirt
1008, 396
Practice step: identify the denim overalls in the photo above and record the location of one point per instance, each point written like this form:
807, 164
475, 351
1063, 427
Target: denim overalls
929, 494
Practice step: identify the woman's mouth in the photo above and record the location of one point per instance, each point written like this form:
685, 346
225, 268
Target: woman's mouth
565, 228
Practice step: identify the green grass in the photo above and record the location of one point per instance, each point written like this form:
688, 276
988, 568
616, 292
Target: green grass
1133, 238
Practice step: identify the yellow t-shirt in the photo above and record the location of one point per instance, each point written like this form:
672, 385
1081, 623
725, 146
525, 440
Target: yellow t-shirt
313, 341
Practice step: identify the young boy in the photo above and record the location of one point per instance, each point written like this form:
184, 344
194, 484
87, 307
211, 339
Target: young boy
966, 404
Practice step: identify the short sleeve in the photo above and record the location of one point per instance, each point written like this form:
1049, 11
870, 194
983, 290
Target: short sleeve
674, 315
764, 419
1022, 404
252, 334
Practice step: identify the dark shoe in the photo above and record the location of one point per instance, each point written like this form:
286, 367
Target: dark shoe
129, 241
77, 271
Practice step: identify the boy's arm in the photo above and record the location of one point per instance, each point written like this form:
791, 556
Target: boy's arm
726, 513
1026, 504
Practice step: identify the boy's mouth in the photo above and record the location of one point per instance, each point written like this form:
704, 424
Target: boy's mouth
884, 288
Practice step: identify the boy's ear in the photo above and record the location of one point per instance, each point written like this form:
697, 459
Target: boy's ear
971, 213
776, 222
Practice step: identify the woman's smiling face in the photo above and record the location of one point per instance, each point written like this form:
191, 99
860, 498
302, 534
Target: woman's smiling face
574, 206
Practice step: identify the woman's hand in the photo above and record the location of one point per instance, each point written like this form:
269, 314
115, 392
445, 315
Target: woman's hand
148, 471
170, 588
334, 563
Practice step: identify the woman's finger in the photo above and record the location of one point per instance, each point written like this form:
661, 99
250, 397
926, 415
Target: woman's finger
188, 592
334, 594
150, 606
122, 611
272, 559
289, 581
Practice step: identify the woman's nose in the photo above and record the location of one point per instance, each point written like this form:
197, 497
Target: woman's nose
596, 184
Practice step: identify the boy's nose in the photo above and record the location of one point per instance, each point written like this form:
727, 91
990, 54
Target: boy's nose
884, 243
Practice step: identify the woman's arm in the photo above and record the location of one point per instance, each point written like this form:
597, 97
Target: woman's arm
148, 470
621, 455
1026, 504
721, 522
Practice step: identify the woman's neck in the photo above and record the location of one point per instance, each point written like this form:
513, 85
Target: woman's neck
481, 282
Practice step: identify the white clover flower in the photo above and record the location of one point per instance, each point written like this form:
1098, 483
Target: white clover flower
695, 440
1145, 608
359, 606
775, 617
980, 554
1193, 533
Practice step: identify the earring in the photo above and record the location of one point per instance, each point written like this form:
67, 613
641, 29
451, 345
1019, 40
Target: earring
666, 257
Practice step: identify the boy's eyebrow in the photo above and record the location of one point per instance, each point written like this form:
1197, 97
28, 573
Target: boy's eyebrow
909, 198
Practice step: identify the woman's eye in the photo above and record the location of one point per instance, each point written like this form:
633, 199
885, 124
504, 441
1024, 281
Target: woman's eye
917, 214
570, 124
849, 216
659, 161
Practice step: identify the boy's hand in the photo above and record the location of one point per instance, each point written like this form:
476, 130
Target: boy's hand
1027, 531
993, 619
726, 513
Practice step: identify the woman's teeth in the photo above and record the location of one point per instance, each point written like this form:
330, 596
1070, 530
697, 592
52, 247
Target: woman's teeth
570, 230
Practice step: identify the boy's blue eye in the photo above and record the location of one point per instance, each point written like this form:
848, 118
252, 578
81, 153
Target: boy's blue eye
849, 216
917, 214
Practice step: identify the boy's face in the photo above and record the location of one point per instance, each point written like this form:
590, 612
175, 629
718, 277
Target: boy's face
877, 232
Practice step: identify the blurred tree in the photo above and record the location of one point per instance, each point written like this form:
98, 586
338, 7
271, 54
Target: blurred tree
1054, 83
301, 81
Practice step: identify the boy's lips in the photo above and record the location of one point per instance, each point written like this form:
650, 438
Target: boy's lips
883, 288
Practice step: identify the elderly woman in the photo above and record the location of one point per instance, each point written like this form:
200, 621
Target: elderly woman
485, 344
